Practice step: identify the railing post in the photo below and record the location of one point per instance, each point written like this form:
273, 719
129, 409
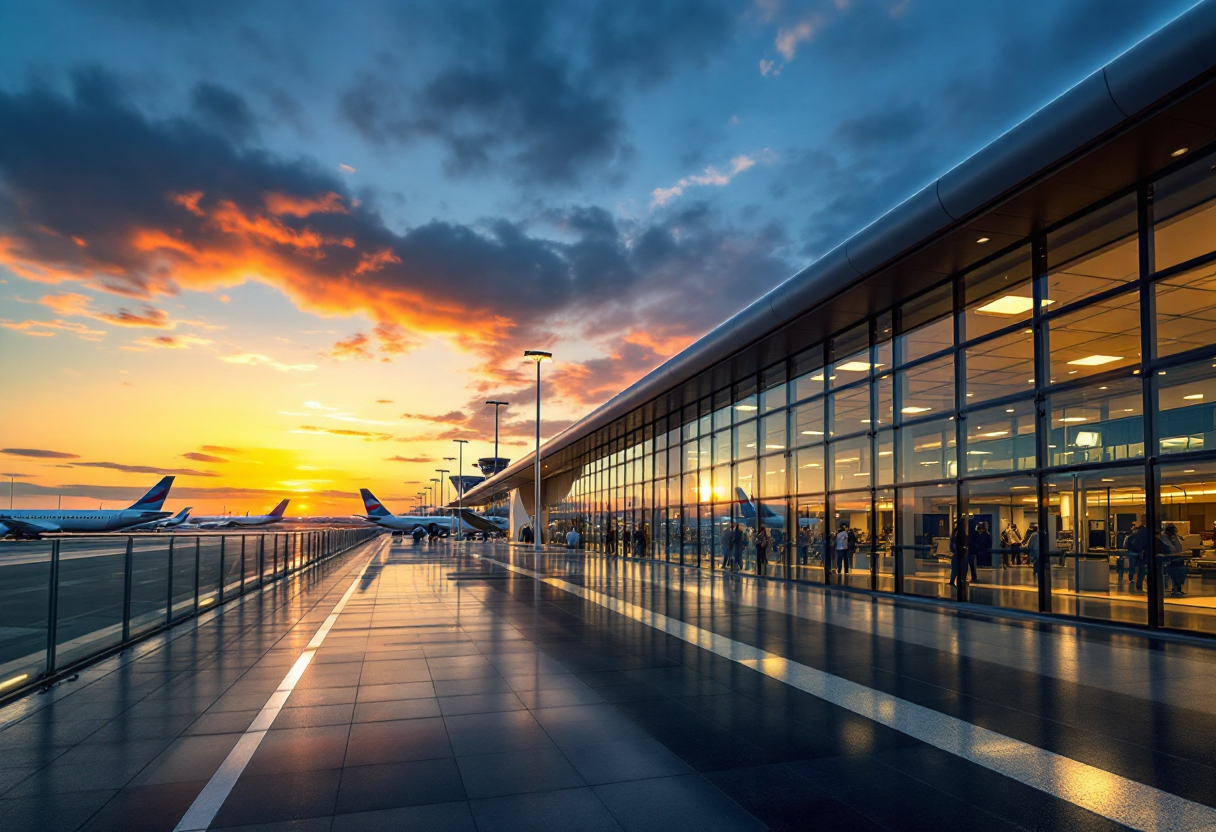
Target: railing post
223, 567
243, 566
52, 610
128, 564
198, 555
261, 560
169, 590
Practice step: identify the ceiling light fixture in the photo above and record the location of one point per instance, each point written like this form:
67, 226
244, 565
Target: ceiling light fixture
983, 240
914, 409
1194, 397
1095, 360
855, 366
1182, 151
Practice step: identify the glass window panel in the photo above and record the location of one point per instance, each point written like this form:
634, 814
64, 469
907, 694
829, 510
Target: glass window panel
1101, 423
691, 423
886, 457
1186, 402
772, 384
998, 294
850, 411
746, 400
927, 515
692, 489
884, 539
1095, 253
773, 430
850, 369
1090, 533
1186, 310
886, 401
1000, 367
675, 463
927, 451
999, 514
809, 473
722, 484
1184, 207
927, 389
811, 538
722, 450
772, 476
745, 478
722, 410
850, 459
1098, 338
660, 465
808, 373
927, 340
1001, 438
705, 423
745, 440
854, 510
1188, 503
692, 459
808, 423
925, 324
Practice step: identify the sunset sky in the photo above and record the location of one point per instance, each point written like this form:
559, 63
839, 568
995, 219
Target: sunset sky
288, 249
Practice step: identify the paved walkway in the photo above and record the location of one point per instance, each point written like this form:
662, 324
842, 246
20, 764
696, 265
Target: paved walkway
402, 687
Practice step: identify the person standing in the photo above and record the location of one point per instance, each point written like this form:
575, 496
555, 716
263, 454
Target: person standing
957, 544
736, 547
843, 561
724, 542
573, 538
610, 540
1011, 545
1032, 545
763, 540
1173, 565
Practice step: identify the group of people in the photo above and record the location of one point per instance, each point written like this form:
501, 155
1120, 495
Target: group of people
630, 543
1170, 552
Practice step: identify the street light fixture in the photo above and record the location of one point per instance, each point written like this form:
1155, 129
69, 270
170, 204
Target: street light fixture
432, 495
496, 406
460, 443
538, 356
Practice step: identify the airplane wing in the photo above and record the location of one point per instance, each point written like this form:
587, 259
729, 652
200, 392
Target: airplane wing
26, 527
476, 521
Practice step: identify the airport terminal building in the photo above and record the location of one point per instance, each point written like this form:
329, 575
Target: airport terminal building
1012, 375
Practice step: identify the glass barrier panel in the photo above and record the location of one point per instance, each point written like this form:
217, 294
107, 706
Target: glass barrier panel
807, 561
149, 579
1000, 515
25, 570
184, 557
232, 563
208, 570
91, 586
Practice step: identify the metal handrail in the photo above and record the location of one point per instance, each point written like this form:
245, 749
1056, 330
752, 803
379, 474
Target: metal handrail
301, 550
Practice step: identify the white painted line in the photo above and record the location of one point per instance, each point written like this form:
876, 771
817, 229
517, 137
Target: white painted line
207, 805
1112, 796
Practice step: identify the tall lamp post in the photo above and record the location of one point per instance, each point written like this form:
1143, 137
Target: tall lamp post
460, 443
433, 496
445, 473
538, 356
496, 406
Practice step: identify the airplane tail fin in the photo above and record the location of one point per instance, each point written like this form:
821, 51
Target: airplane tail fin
278, 510
155, 498
371, 505
184, 513
745, 504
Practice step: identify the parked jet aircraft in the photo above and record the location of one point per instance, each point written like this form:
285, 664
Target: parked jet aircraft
230, 521
381, 516
35, 522
167, 523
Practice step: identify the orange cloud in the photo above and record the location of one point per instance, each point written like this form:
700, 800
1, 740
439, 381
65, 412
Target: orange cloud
298, 206
200, 457
47, 329
370, 436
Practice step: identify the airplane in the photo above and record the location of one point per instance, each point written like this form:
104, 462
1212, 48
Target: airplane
772, 520
378, 514
230, 521
167, 523
33, 523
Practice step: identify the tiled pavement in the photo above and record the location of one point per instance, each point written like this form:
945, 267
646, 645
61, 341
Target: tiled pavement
452, 694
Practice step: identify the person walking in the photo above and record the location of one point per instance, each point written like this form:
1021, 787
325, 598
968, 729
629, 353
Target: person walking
1137, 557
573, 538
736, 547
610, 540
957, 544
639, 542
724, 543
843, 561
1032, 545
763, 541
979, 548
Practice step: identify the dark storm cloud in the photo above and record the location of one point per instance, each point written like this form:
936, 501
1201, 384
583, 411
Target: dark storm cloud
224, 110
535, 85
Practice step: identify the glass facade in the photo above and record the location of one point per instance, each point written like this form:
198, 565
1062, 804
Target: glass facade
1037, 432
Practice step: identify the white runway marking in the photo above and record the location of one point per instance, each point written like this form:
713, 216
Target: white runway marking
203, 810
1116, 798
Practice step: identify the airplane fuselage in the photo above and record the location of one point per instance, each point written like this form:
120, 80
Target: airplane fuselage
69, 520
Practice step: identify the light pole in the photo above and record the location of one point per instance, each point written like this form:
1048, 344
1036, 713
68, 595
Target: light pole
442, 472
433, 498
538, 356
460, 443
496, 406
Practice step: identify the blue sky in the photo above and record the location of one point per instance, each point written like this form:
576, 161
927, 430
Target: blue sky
409, 194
